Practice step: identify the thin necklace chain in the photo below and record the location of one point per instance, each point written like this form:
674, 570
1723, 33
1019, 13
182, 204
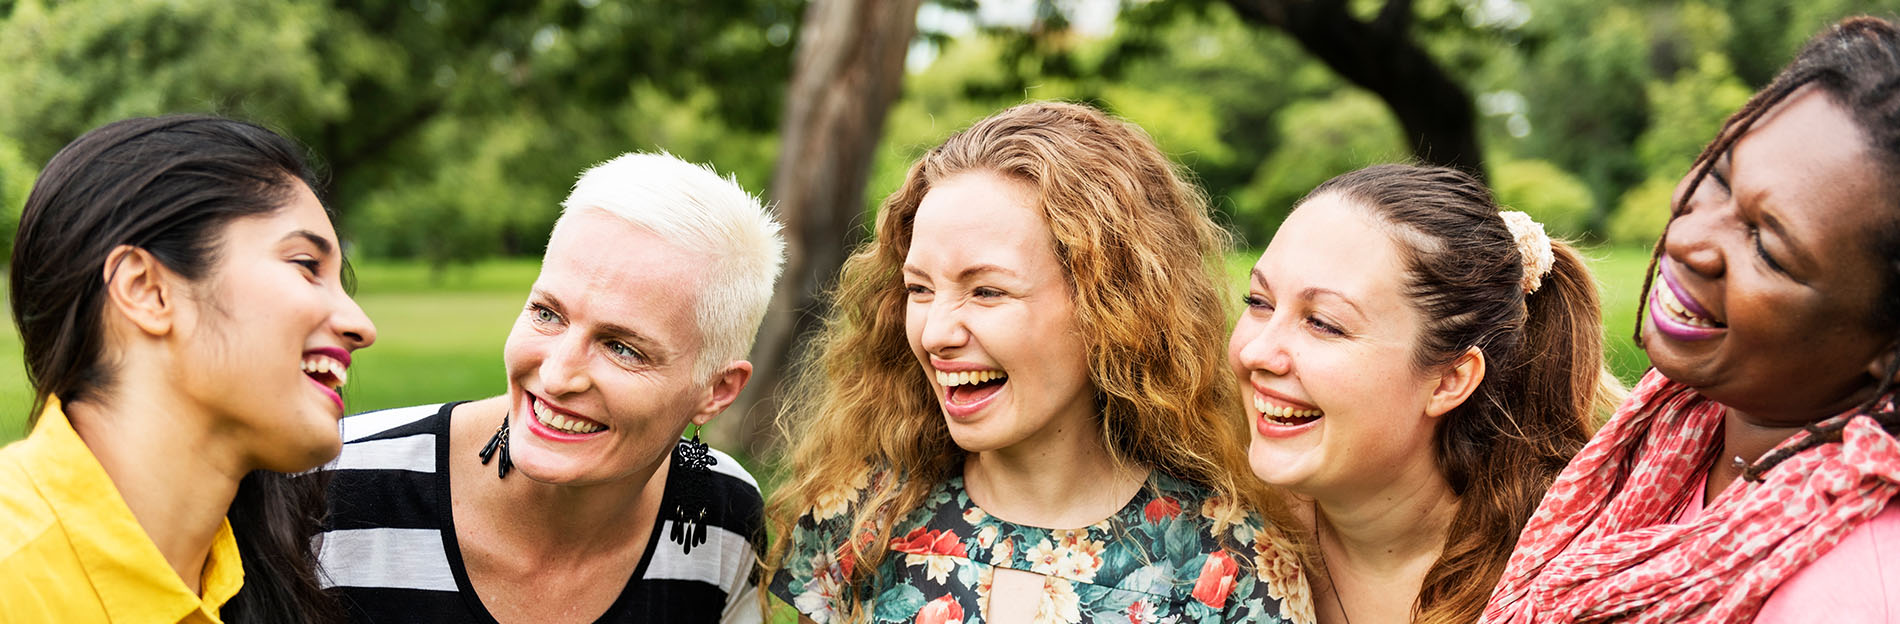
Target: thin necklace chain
1328, 570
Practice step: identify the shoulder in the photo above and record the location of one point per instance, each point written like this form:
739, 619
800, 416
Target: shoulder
394, 422
1859, 578
27, 519
733, 492
402, 438
387, 503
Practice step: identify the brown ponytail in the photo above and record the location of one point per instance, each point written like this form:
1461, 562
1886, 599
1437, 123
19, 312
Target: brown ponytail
1536, 407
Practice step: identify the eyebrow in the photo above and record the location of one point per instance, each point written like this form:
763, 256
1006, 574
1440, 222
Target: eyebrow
323, 244
966, 273
652, 347
1313, 292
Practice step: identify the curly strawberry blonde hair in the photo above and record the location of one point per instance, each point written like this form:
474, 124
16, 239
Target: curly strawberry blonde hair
1142, 257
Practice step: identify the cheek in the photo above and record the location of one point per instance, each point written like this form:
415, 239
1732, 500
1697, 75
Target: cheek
519, 354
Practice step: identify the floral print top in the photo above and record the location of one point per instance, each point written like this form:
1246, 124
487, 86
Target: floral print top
1158, 559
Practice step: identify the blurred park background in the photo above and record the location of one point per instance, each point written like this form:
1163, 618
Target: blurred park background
450, 130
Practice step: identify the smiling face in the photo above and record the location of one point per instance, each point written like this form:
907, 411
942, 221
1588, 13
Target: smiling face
990, 316
600, 363
268, 336
1767, 280
1324, 355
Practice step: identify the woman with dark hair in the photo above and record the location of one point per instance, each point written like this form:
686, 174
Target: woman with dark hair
1751, 475
179, 294
1418, 366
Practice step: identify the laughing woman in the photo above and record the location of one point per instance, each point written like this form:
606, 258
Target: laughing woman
177, 288
1419, 366
1751, 477
1018, 412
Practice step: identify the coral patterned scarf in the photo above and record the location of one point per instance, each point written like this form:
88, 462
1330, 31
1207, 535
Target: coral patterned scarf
1604, 544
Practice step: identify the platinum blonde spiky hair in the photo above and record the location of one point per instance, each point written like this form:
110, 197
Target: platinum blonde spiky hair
695, 208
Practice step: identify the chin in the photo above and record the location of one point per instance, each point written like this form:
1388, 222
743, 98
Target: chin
1272, 468
974, 440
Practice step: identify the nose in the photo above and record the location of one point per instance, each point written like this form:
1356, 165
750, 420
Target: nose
353, 324
944, 329
1259, 346
564, 367
1693, 237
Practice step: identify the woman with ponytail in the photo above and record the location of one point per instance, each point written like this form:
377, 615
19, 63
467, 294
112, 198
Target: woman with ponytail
1417, 367
179, 292
1751, 475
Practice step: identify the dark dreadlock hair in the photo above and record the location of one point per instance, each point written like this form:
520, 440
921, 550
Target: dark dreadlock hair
1857, 63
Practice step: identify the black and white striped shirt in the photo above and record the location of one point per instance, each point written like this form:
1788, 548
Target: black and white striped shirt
389, 548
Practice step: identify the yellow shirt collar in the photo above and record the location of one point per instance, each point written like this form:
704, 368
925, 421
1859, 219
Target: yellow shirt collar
133, 580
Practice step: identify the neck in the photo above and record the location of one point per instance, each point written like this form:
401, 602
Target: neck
176, 476
1391, 527
1062, 477
1746, 438
554, 521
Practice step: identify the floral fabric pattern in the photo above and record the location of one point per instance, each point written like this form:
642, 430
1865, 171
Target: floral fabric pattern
1159, 559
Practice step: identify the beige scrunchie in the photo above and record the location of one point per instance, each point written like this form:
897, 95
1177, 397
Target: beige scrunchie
1533, 245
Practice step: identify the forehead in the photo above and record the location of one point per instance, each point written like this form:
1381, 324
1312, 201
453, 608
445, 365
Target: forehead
1335, 243
299, 212
607, 271
1808, 161
981, 217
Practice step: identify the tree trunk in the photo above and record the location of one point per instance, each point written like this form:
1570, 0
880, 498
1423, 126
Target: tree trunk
848, 72
1379, 55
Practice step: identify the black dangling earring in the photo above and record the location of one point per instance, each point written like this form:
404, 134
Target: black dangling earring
689, 507
499, 443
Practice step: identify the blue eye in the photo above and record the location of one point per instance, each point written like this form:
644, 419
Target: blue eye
624, 351
541, 314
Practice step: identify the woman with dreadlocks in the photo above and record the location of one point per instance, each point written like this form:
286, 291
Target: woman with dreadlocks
1750, 476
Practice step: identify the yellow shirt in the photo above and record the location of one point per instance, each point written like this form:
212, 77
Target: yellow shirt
71, 551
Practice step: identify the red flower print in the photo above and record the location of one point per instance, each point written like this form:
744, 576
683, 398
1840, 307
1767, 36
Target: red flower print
1160, 508
1140, 612
943, 610
1216, 580
922, 542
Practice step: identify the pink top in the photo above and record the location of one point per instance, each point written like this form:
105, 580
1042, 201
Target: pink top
1856, 581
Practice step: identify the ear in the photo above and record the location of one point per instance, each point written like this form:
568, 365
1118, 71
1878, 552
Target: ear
723, 390
1879, 366
141, 289
1457, 383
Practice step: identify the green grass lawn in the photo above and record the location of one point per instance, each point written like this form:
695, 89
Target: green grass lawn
439, 337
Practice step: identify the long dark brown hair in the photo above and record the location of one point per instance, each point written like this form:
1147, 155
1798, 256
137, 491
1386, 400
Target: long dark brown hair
1545, 381
1857, 63
169, 186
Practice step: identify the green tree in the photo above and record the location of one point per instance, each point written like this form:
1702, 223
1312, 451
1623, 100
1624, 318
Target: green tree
392, 93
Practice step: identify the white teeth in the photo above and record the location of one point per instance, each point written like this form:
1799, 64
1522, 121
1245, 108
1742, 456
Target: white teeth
1282, 414
560, 422
947, 379
1666, 296
317, 363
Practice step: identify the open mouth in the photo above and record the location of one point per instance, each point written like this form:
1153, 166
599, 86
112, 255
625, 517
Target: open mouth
1285, 414
969, 387
1681, 308
326, 370
562, 422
